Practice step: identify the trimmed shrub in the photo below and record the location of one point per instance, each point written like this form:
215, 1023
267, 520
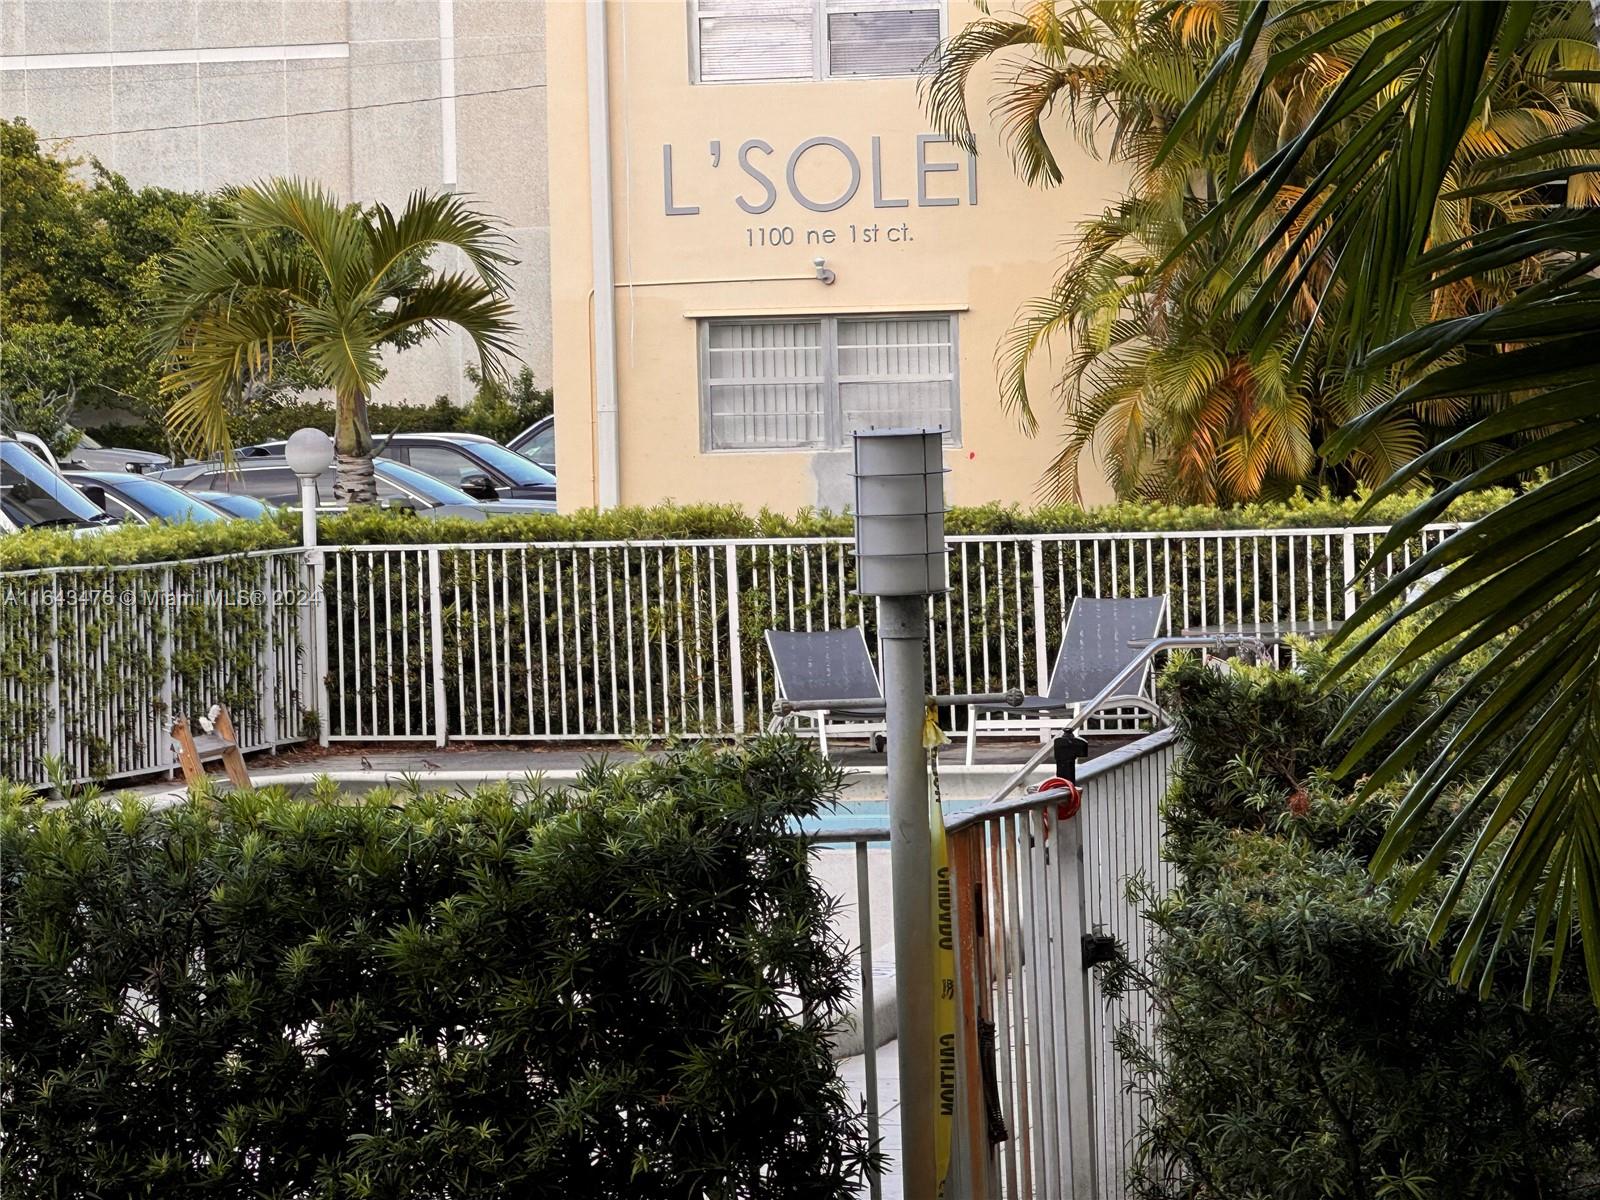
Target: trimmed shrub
1309, 1046
624, 989
56, 547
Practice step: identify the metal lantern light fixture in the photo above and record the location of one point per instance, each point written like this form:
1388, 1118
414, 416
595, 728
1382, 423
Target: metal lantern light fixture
899, 476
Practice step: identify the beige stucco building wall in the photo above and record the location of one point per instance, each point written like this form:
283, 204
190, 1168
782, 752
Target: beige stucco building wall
979, 261
373, 98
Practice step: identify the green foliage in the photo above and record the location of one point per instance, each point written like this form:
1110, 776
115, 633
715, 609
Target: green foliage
498, 410
76, 276
130, 647
1308, 1046
624, 989
33, 549
50, 547
503, 408
38, 407
1522, 373
294, 280
1211, 310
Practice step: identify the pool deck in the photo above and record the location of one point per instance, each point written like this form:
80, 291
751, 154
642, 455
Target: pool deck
467, 763
466, 760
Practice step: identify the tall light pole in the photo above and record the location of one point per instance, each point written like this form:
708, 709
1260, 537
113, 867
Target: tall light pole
900, 559
308, 453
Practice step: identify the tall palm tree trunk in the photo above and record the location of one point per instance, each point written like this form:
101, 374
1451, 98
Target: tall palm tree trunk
356, 482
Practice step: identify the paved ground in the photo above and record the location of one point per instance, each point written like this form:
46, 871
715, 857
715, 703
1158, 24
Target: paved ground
854, 1073
499, 759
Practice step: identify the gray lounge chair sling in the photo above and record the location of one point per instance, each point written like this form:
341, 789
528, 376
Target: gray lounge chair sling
822, 665
1094, 649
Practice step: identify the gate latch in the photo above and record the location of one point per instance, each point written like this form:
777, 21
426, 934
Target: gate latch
1098, 947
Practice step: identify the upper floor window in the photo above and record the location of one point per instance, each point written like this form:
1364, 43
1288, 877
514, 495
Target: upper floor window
743, 40
809, 382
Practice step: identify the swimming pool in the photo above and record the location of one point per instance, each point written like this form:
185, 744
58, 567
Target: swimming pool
851, 815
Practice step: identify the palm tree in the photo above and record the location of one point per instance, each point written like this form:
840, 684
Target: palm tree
294, 276
1520, 763
1154, 295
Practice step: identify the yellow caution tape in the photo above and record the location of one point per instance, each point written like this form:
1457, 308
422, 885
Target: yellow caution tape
944, 959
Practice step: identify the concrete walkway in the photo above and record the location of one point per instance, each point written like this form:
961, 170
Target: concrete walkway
467, 762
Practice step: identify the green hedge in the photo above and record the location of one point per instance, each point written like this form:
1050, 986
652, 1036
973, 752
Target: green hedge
49, 548
1308, 1046
624, 989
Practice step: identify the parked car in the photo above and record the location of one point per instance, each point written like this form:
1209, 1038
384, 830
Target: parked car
272, 483
33, 495
538, 443
470, 462
478, 465
246, 508
90, 455
141, 499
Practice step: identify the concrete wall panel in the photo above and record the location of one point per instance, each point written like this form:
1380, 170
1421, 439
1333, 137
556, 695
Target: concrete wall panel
153, 24
66, 26
368, 123
244, 149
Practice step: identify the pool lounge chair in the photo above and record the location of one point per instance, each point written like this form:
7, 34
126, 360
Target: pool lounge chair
1095, 647
822, 665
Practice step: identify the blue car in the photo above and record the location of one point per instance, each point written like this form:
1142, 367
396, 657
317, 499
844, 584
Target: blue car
246, 508
141, 499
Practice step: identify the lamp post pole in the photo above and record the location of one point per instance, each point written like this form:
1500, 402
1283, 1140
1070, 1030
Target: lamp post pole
309, 452
902, 624
900, 559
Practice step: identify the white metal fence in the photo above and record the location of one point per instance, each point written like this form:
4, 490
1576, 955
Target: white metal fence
94, 661
1031, 878
1044, 1105
599, 640
574, 641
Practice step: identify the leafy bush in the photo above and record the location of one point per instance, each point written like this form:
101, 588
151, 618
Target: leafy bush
81, 247
1308, 1046
619, 990
677, 521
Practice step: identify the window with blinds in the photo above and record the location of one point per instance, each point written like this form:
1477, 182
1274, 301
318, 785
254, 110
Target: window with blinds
747, 40
808, 383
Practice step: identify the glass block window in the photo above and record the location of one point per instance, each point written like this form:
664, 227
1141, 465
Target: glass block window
809, 382
740, 41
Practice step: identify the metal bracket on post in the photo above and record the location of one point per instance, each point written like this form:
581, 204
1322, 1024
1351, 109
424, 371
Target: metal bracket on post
1098, 947
1069, 748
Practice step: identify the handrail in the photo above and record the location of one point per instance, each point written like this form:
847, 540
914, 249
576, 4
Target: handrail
1000, 807
1109, 692
989, 809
